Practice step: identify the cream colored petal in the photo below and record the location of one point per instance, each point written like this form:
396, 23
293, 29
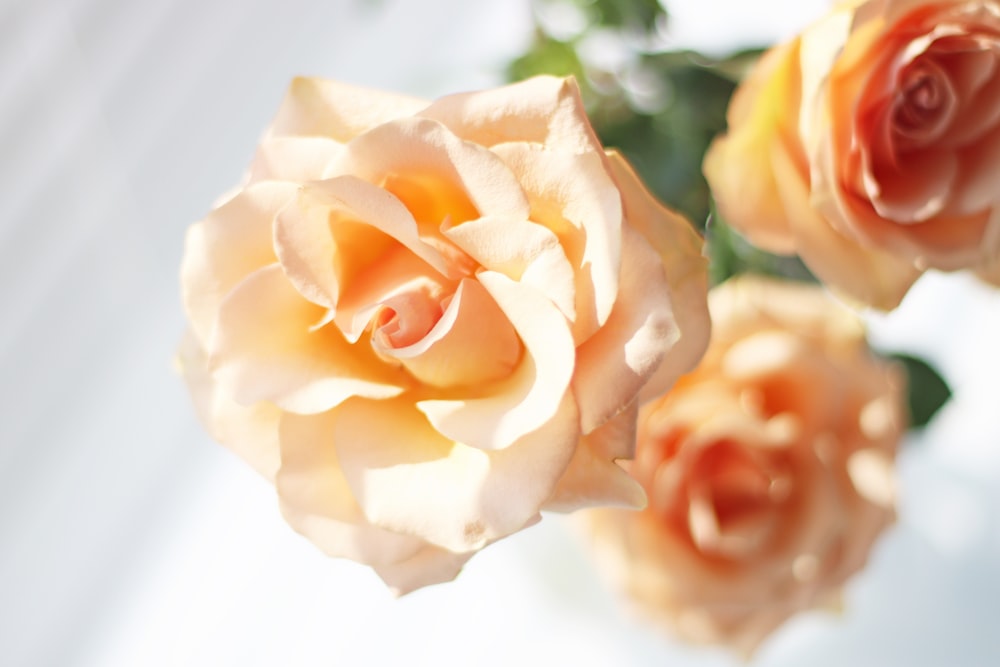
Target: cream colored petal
221, 250
337, 229
614, 364
864, 275
430, 565
680, 249
532, 395
317, 501
250, 431
340, 111
379, 209
592, 478
543, 109
360, 542
523, 251
471, 345
409, 478
265, 348
292, 158
435, 173
737, 166
574, 196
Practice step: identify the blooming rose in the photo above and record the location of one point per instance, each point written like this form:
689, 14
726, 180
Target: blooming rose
425, 322
768, 469
870, 146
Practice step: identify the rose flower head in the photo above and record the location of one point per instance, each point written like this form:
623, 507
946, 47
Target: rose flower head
870, 146
769, 470
425, 322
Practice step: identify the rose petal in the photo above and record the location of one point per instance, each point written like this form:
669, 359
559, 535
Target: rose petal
544, 109
471, 344
864, 274
221, 250
292, 158
265, 348
409, 478
434, 173
316, 499
250, 431
399, 271
430, 565
916, 190
532, 395
680, 249
573, 195
523, 251
337, 229
737, 165
615, 363
317, 107
592, 478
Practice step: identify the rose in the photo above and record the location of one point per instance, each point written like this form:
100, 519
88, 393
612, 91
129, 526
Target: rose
870, 144
768, 469
425, 322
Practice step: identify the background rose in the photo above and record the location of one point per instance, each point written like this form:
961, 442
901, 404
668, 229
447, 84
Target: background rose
768, 469
869, 146
426, 322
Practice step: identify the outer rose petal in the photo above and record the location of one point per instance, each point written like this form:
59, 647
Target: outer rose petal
221, 250
408, 478
544, 110
861, 274
615, 363
292, 158
430, 565
592, 478
265, 349
763, 112
340, 111
680, 248
250, 431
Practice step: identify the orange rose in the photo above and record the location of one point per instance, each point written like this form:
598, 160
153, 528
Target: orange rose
768, 469
870, 144
425, 322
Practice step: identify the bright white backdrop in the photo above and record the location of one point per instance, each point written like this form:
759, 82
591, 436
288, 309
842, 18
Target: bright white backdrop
128, 538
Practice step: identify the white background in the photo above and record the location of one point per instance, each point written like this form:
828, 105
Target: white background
128, 538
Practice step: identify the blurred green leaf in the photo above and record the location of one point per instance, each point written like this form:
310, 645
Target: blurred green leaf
730, 254
629, 14
547, 56
927, 390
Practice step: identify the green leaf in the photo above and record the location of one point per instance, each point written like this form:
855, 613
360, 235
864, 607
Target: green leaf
928, 391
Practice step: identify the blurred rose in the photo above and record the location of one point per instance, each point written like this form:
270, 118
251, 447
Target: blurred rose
425, 322
768, 469
870, 145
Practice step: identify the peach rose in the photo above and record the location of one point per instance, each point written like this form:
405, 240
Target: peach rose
768, 469
425, 322
870, 146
